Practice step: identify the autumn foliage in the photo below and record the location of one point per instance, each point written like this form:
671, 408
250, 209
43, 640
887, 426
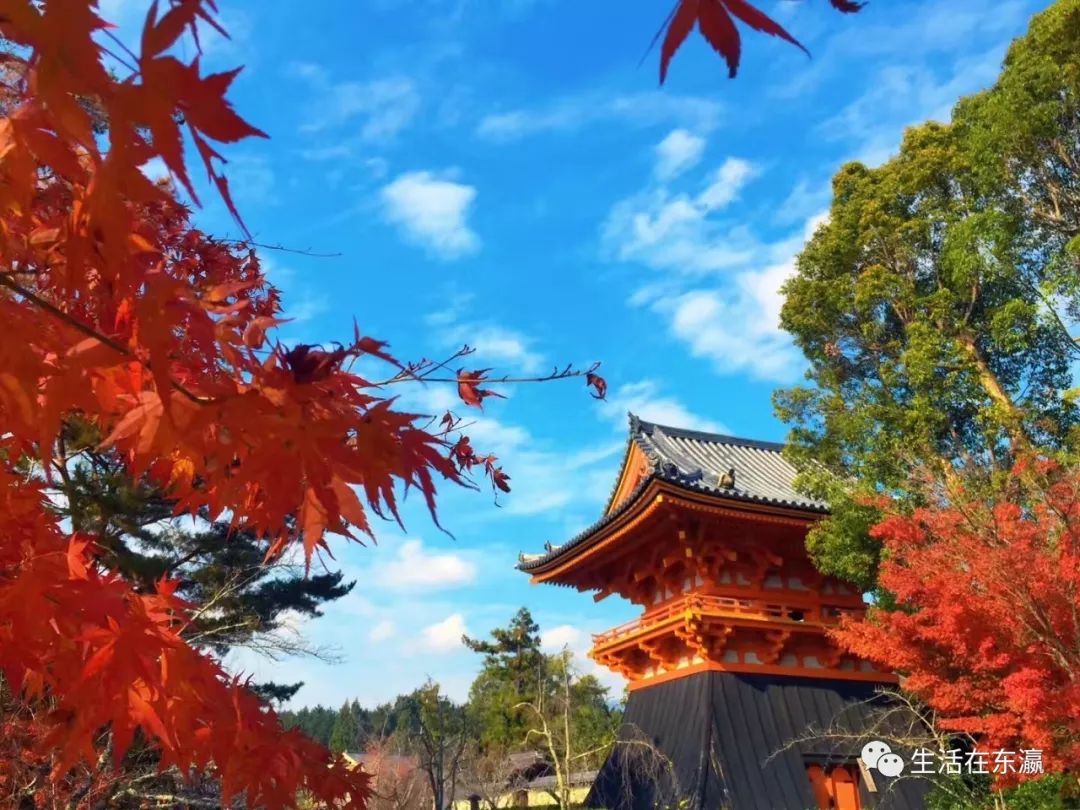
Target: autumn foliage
716, 19
987, 625
120, 312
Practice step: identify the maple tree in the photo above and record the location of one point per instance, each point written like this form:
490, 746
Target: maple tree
120, 311
985, 627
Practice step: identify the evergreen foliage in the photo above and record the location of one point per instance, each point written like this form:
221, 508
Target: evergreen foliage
934, 304
345, 734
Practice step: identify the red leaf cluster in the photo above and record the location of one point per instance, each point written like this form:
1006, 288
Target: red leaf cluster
116, 309
987, 628
715, 19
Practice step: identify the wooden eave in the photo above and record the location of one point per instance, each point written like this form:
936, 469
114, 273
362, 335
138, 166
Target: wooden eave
656, 494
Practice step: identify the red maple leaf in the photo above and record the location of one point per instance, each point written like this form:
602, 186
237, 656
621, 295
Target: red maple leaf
597, 382
716, 21
469, 388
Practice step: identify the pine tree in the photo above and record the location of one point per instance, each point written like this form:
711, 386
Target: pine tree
345, 735
317, 722
514, 650
513, 663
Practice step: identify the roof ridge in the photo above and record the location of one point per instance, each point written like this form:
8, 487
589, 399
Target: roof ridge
646, 427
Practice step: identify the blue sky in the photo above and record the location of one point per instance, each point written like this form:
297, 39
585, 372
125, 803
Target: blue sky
505, 174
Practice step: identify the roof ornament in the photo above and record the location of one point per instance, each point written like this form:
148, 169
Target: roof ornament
727, 480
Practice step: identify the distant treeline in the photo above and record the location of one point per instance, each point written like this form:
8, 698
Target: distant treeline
349, 726
516, 671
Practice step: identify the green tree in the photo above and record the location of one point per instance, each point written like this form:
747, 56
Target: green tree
513, 663
517, 676
513, 650
317, 722
345, 735
934, 305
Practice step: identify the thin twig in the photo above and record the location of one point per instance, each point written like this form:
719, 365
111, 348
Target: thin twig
282, 248
89, 331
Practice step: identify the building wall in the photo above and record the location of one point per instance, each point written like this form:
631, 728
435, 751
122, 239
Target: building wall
536, 798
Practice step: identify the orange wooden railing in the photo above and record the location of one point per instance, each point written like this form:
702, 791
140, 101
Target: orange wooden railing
708, 605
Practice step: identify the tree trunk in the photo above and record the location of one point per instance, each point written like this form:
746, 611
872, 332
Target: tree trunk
1014, 417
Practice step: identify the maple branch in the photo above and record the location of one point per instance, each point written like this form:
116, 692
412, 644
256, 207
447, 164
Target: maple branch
417, 372
7, 281
281, 248
566, 373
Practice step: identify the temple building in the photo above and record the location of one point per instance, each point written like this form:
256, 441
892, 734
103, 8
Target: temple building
734, 682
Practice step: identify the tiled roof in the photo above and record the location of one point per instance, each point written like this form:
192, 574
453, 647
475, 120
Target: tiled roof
697, 461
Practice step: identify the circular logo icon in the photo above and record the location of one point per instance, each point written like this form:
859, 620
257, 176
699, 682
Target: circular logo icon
873, 751
890, 765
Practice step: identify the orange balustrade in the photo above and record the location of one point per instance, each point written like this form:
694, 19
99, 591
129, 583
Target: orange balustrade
694, 605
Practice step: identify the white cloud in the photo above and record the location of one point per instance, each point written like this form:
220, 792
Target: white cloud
558, 638
676, 231
645, 399
578, 642
504, 345
737, 327
679, 151
572, 113
333, 151
126, 14
382, 631
542, 478
923, 30
726, 184
923, 64
803, 201
673, 233
306, 70
252, 179
432, 212
384, 107
445, 636
496, 344
417, 569
307, 307
490, 342
377, 109
728, 329
155, 169
734, 323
